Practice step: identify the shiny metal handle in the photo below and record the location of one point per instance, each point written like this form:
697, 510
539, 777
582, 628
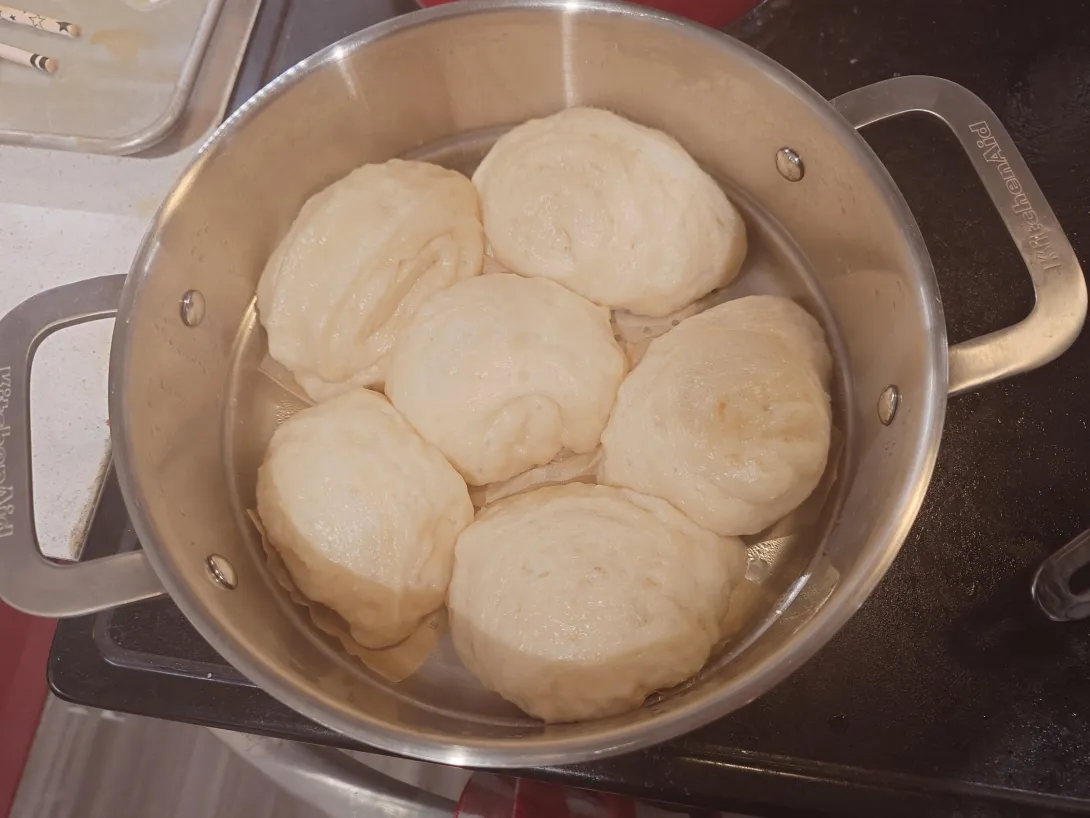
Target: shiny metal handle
1052, 583
1060, 309
28, 581
331, 781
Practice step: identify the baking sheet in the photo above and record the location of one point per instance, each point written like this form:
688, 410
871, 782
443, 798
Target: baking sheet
120, 87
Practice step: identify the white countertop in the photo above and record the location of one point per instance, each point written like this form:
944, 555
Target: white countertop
66, 217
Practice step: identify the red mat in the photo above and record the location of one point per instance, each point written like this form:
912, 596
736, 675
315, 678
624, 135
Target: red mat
24, 653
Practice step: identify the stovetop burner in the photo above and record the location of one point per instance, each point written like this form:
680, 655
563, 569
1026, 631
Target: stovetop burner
948, 693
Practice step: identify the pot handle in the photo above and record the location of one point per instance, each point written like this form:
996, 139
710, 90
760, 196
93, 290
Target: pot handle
1060, 308
1052, 588
28, 581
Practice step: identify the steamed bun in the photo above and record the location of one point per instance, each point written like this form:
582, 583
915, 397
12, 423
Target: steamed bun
575, 602
360, 258
615, 211
501, 373
364, 514
726, 416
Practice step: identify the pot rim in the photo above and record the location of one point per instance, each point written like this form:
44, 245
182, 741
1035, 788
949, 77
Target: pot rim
543, 750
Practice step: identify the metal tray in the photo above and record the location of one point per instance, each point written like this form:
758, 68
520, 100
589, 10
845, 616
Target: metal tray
120, 88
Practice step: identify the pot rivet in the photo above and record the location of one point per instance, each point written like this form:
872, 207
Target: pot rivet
888, 402
221, 572
789, 164
192, 308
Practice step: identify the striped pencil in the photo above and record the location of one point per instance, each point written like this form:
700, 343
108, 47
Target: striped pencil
39, 21
39, 61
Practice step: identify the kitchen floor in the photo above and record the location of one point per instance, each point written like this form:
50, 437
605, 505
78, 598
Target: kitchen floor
88, 763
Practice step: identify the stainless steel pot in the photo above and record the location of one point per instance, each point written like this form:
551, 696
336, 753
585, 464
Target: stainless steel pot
190, 412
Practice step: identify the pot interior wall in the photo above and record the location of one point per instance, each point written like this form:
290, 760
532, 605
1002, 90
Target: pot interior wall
186, 401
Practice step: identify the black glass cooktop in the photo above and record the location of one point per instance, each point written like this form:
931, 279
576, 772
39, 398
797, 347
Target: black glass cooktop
948, 693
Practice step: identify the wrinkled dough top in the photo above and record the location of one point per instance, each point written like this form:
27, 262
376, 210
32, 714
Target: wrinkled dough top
726, 416
503, 372
615, 211
576, 602
360, 258
364, 513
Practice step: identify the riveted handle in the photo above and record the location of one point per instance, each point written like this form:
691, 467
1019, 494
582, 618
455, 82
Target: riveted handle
1058, 314
28, 581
